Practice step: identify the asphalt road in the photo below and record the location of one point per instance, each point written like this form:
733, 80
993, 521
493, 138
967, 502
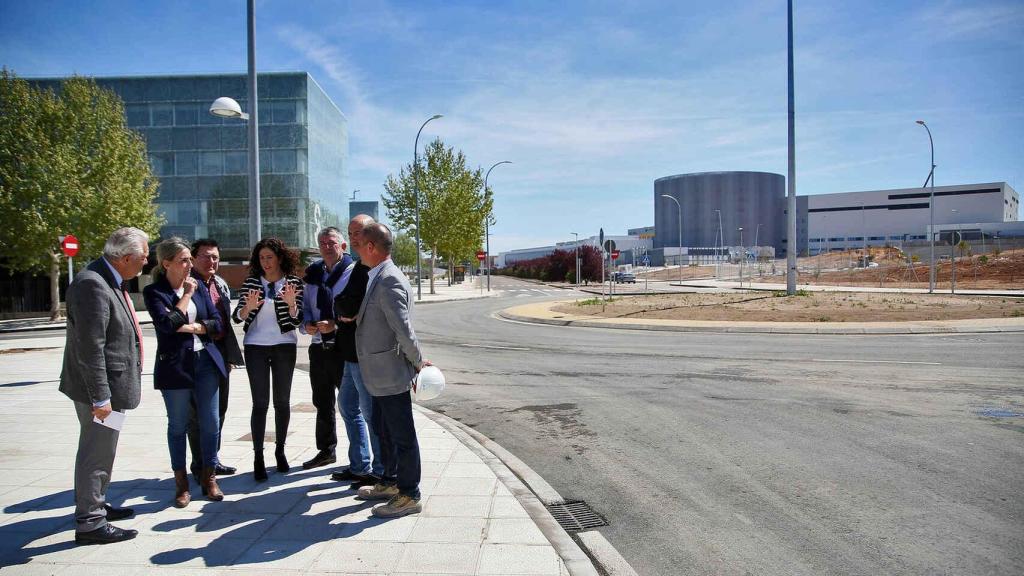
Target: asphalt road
755, 454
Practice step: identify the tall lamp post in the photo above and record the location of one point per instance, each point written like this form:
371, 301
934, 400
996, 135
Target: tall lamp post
577, 243
721, 244
680, 256
487, 225
952, 253
416, 192
931, 212
228, 108
744, 251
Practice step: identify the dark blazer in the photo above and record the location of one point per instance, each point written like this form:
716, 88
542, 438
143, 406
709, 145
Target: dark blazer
284, 320
228, 345
175, 361
101, 354
346, 305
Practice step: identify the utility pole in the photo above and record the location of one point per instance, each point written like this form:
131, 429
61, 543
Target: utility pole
791, 247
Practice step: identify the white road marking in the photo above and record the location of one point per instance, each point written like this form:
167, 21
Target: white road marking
876, 361
494, 347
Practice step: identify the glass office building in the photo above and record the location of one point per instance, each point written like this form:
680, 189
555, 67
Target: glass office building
202, 160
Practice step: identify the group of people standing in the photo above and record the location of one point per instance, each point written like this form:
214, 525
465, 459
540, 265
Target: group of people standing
364, 355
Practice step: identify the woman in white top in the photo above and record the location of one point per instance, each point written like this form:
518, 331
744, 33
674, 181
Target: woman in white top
188, 365
270, 341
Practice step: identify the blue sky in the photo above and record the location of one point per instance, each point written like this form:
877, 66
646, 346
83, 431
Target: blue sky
592, 101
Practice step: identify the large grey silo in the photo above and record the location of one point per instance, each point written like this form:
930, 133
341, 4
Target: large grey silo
746, 199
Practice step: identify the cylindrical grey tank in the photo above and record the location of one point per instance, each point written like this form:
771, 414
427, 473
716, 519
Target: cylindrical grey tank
746, 199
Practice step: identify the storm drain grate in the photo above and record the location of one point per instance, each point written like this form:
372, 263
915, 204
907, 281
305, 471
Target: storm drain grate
576, 515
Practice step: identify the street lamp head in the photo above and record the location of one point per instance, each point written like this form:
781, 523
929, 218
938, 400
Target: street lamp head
921, 122
436, 116
227, 108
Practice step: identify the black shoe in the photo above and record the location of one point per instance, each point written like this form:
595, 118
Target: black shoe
259, 470
347, 475
322, 458
282, 462
115, 514
108, 534
221, 470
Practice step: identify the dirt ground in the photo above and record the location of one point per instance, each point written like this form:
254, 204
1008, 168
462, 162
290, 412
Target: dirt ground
812, 307
993, 272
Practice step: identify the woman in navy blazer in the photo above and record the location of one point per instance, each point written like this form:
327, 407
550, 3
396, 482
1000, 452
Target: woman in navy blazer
188, 364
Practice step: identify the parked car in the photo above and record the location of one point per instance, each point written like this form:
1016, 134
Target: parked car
625, 278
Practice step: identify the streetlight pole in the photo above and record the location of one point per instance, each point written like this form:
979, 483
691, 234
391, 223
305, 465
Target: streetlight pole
577, 243
952, 254
416, 192
757, 231
744, 252
228, 108
679, 260
791, 247
931, 212
721, 244
487, 226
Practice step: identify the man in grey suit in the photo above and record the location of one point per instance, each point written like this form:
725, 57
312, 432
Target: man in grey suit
102, 372
389, 358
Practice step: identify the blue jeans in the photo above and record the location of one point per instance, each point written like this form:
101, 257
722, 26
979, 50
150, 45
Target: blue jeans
206, 394
356, 407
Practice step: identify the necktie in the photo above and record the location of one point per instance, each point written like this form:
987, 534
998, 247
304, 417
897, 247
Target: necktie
135, 321
271, 290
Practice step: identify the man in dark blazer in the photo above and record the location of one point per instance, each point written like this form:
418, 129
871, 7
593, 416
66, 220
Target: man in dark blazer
102, 372
389, 358
206, 253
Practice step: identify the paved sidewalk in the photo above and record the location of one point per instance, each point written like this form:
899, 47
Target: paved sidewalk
542, 313
468, 290
475, 518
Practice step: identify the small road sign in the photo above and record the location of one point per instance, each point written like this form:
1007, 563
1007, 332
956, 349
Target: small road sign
69, 244
481, 255
615, 254
609, 245
646, 261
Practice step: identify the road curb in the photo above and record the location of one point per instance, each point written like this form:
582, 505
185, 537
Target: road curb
592, 555
827, 328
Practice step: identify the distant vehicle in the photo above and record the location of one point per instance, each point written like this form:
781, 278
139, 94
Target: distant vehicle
625, 278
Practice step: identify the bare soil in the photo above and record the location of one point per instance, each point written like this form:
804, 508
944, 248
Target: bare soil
993, 272
812, 307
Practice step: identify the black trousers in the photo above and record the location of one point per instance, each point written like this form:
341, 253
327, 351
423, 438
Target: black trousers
193, 425
264, 363
325, 369
399, 449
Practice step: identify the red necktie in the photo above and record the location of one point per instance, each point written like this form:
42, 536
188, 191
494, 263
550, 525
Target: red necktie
135, 321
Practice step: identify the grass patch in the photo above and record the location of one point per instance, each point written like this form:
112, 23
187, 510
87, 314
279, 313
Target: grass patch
593, 302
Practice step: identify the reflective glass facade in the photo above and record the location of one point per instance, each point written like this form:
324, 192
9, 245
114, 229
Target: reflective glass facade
202, 160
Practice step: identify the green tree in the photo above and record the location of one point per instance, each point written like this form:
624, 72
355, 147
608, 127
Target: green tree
404, 251
453, 204
68, 165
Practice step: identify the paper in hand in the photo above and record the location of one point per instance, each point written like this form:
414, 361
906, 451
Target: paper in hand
114, 421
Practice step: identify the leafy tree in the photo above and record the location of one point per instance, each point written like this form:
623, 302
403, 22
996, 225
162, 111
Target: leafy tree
453, 204
403, 253
68, 165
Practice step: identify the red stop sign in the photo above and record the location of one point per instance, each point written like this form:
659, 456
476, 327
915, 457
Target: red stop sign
69, 245
481, 255
615, 254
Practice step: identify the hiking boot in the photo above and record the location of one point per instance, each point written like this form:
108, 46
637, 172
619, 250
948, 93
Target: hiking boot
377, 492
400, 505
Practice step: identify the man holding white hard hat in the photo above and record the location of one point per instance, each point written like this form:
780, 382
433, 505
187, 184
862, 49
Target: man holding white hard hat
389, 359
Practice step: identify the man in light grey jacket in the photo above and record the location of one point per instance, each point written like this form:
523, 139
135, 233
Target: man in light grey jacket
102, 373
389, 358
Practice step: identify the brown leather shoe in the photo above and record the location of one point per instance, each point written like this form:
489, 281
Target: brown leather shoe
181, 494
210, 488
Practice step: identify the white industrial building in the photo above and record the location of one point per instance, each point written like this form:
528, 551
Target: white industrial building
880, 217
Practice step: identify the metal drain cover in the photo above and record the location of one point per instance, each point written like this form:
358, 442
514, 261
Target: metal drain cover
576, 516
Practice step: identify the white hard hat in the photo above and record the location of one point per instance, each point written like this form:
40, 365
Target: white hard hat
429, 384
